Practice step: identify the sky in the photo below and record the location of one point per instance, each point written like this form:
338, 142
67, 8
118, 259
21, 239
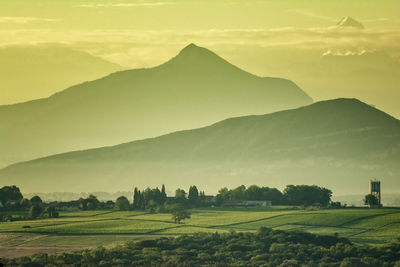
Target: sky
294, 39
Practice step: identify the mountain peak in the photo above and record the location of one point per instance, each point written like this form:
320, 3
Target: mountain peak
191, 47
349, 22
197, 55
193, 50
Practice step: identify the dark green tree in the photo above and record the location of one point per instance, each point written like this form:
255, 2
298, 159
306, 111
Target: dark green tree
24, 203
122, 203
180, 196
10, 193
52, 212
307, 195
136, 199
35, 211
163, 194
225, 194
179, 213
202, 198
193, 196
36, 200
89, 203
239, 193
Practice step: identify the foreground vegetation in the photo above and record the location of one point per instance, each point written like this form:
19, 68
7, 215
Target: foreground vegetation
264, 248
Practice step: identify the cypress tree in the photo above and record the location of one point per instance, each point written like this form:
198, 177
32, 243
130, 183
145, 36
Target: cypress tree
163, 194
193, 195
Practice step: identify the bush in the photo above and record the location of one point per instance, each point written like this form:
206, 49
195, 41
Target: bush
265, 248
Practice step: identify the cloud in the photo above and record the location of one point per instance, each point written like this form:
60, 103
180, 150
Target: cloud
317, 37
24, 20
311, 14
137, 47
138, 4
375, 20
344, 53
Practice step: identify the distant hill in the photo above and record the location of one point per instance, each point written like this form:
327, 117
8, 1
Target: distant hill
350, 22
37, 71
340, 144
193, 89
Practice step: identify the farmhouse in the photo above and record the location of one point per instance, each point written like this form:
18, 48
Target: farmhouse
247, 203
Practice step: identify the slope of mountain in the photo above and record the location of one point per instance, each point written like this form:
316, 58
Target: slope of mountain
193, 89
37, 71
349, 22
339, 143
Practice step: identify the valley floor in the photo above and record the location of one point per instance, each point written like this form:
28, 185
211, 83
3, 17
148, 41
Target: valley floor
88, 229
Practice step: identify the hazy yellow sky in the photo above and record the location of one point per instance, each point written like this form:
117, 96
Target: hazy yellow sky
292, 39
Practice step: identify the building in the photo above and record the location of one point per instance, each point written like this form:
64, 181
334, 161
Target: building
247, 203
375, 189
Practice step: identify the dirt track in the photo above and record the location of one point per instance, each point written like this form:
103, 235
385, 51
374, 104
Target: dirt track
13, 245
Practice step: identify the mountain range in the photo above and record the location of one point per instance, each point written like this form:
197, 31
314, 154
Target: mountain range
340, 144
193, 89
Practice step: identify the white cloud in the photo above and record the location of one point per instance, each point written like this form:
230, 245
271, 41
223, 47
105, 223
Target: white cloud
24, 20
345, 52
135, 47
375, 20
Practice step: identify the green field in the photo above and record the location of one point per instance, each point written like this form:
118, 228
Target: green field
94, 228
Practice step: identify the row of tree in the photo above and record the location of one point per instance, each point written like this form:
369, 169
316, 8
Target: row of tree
151, 198
154, 199
292, 195
252, 192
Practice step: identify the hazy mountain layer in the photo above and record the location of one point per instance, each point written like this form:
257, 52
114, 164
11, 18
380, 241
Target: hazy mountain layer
37, 71
339, 143
193, 89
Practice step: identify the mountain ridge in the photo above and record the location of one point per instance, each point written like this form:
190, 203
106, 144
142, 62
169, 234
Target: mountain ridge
139, 103
328, 143
24, 68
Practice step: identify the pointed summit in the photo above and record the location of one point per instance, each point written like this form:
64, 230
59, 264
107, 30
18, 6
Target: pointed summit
193, 49
349, 22
199, 57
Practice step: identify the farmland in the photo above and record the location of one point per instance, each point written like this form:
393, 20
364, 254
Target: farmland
85, 229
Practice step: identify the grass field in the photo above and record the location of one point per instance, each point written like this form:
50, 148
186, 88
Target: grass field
78, 230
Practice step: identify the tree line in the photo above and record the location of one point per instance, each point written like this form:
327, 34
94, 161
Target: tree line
153, 198
305, 195
11, 198
156, 200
